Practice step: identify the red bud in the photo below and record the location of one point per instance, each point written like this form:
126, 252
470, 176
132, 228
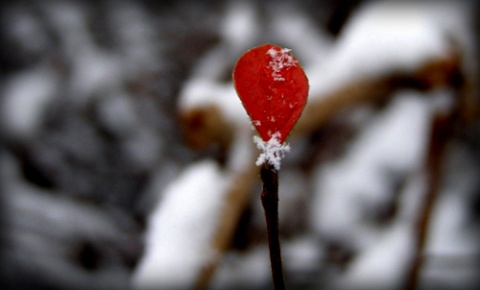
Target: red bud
273, 89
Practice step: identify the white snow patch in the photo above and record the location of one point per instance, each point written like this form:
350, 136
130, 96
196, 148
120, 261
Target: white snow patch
239, 25
448, 234
136, 32
272, 151
92, 68
382, 37
398, 35
280, 59
301, 254
293, 194
178, 240
412, 196
249, 270
201, 92
143, 147
287, 19
117, 113
451, 220
398, 137
384, 264
25, 30
241, 152
392, 143
26, 96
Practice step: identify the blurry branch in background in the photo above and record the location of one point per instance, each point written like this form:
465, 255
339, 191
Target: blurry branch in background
444, 126
441, 133
203, 126
238, 196
429, 76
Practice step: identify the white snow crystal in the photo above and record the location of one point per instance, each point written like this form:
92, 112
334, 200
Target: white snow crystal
280, 59
273, 150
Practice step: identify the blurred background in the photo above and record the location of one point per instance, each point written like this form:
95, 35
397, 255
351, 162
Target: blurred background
127, 160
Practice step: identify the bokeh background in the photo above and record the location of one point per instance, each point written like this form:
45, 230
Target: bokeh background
127, 160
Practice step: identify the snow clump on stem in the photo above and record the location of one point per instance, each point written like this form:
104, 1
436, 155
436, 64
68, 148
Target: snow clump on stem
273, 150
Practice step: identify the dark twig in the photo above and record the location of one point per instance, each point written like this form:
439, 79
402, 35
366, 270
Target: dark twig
269, 197
440, 135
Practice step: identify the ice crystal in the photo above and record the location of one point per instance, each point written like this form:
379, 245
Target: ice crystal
280, 59
273, 150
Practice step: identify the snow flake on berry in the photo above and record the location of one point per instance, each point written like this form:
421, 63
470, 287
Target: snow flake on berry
280, 59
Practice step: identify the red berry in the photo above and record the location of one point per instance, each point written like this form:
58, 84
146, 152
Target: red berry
273, 89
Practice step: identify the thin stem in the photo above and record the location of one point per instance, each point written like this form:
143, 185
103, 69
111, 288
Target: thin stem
441, 132
269, 197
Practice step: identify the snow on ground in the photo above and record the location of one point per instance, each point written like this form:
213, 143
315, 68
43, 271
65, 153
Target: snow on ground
179, 234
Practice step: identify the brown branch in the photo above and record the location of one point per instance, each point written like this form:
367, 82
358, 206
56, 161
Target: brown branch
238, 196
442, 130
430, 75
